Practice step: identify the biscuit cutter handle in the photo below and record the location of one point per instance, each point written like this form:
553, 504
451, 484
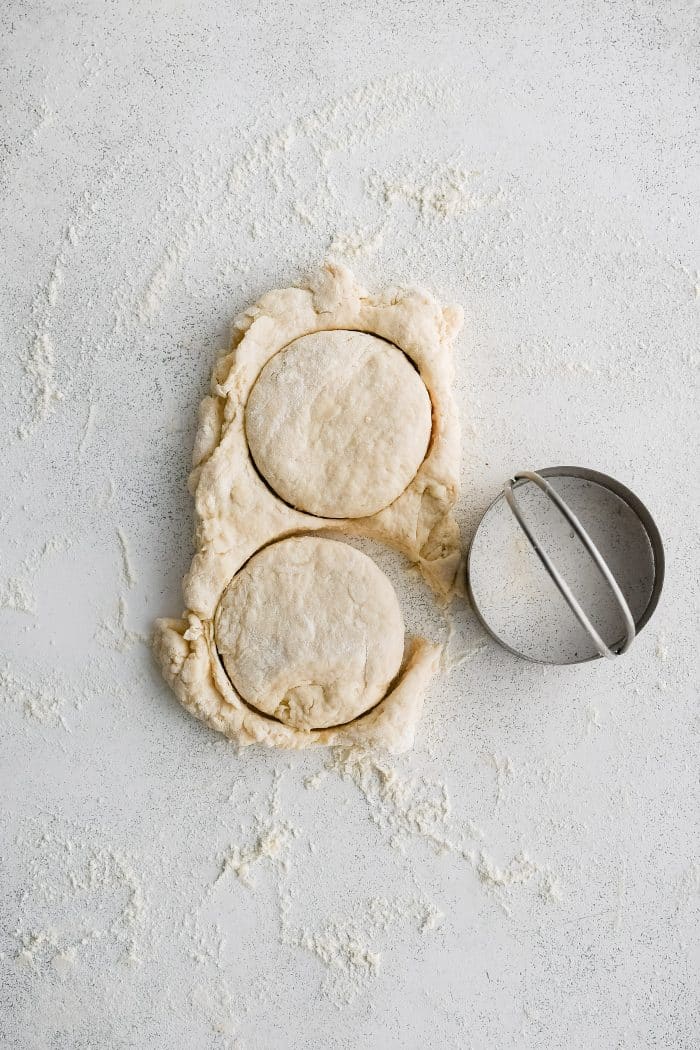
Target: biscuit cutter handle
556, 576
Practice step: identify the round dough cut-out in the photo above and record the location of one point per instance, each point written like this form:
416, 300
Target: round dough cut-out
338, 423
310, 632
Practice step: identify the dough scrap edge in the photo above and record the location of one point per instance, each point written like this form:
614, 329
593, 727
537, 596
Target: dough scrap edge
237, 514
186, 653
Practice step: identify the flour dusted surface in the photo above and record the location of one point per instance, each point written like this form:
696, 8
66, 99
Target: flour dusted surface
177, 181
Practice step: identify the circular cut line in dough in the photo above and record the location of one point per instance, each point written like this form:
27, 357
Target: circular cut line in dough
310, 632
338, 423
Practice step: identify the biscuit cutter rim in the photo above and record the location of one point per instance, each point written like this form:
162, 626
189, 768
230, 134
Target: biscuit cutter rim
657, 566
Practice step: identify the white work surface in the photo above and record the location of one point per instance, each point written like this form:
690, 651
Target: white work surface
529, 876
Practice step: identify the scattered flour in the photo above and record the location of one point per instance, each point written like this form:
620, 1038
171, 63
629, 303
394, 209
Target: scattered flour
412, 806
39, 361
356, 243
15, 595
550, 888
592, 719
55, 281
405, 805
49, 700
464, 657
449, 661
90, 909
221, 1008
17, 591
87, 430
204, 946
150, 300
40, 367
688, 886
45, 116
520, 870
662, 649
41, 701
444, 192
271, 840
96, 890
504, 772
116, 635
128, 573
270, 843
217, 191
347, 945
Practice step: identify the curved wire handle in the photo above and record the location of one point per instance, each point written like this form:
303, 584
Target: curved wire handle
558, 579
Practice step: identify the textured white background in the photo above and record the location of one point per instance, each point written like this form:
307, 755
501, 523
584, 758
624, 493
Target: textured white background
536, 162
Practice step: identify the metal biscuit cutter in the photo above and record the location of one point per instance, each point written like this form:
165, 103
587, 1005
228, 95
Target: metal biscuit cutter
552, 590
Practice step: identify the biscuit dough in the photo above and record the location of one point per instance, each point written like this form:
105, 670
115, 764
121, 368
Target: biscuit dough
238, 513
338, 423
310, 631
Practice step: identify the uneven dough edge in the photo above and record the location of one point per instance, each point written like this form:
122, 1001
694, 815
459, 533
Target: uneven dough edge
183, 648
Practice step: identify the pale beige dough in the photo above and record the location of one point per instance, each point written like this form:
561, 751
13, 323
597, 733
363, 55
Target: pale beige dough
310, 632
338, 423
238, 514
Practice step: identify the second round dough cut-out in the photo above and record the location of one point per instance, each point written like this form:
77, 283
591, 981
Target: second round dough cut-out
338, 423
310, 632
